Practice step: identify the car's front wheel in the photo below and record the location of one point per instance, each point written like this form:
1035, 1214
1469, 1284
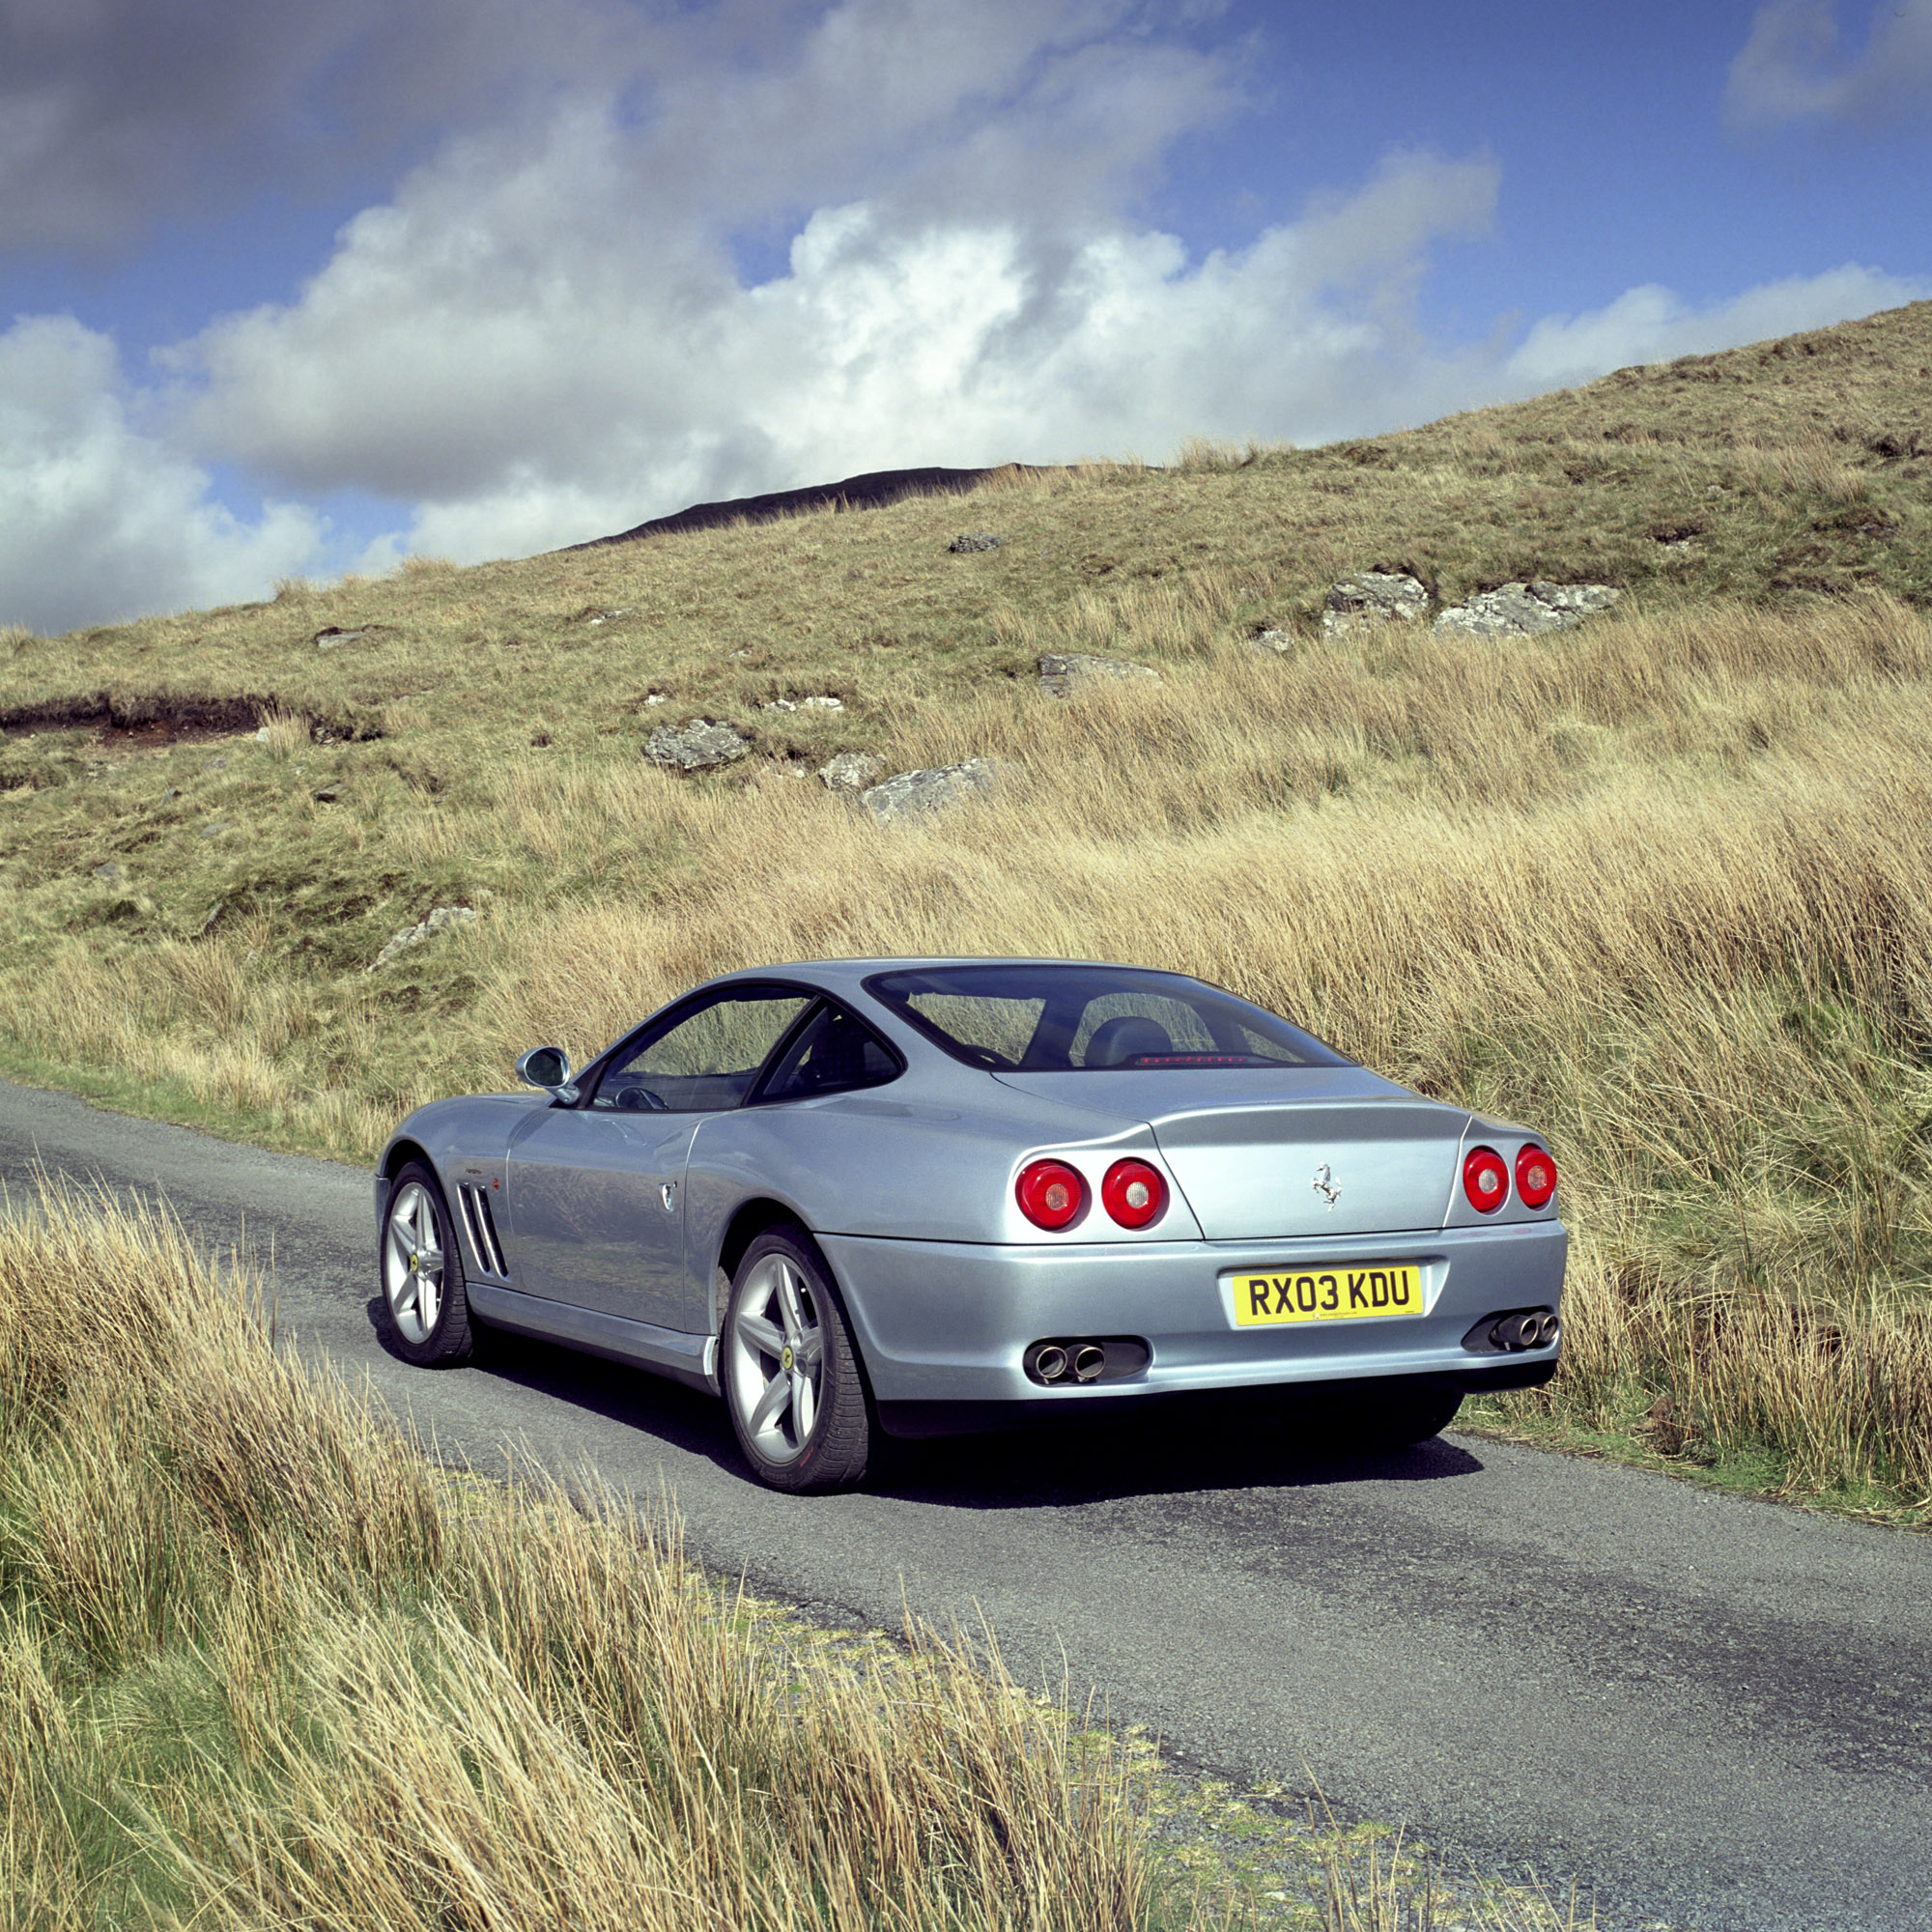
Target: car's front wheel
790, 1369
425, 1302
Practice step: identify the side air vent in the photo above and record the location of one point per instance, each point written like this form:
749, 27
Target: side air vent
480, 1225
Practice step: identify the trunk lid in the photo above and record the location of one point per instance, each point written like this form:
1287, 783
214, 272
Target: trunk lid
1248, 1161
1331, 1166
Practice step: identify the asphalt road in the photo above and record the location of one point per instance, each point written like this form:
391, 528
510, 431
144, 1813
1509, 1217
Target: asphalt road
1712, 1713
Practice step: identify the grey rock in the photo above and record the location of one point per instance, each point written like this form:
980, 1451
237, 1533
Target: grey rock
1277, 642
849, 772
656, 697
612, 617
262, 735
1063, 672
911, 796
327, 795
1373, 597
805, 704
217, 765
215, 827
438, 920
975, 540
171, 792
109, 873
328, 639
1525, 609
704, 741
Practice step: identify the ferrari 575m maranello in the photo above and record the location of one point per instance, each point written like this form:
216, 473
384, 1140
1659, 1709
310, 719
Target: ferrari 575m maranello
940, 1195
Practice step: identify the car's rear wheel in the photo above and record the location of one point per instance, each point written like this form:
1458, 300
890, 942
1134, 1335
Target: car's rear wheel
425, 1302
790, 1369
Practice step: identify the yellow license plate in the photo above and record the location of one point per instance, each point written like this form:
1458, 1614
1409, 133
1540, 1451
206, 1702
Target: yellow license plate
1378, 1294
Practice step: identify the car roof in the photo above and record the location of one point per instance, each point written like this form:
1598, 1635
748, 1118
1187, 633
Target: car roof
842, 973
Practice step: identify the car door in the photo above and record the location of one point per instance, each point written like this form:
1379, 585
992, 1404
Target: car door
596, 1190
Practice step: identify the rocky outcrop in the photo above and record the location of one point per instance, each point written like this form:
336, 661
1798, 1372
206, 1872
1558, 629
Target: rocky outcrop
1525, 609
442, 918
975, 540
1276, 644
1063, 672
912, 795
704, 741
804, 704
1370, 598
849, 772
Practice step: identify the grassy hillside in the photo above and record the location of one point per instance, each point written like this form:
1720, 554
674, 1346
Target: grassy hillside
1655, 884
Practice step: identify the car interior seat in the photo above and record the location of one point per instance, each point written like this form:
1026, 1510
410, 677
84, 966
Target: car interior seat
1125, 1038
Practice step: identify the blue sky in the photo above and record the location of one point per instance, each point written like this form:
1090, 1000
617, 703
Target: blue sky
289, 291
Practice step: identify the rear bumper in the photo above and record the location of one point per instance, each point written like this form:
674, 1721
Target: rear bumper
946, 1322
1282, 1401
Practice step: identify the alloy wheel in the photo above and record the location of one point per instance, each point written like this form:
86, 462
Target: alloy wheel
413, 1263
775, 1362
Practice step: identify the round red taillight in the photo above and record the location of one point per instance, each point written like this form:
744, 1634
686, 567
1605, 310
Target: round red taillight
1134, 1194
1051, 1194
1486, 1181
1534, 1177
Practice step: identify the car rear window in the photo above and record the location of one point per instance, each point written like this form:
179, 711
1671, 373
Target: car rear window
1061, 1019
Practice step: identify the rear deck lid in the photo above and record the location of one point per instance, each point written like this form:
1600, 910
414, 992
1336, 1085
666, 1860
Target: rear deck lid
1318, 1151
1325, 1167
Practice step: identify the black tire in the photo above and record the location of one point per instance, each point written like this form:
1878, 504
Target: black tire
425, 1299
799, 1431
1402, 1421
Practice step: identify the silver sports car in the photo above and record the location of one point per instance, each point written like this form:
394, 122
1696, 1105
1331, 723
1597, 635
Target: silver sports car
935, 1195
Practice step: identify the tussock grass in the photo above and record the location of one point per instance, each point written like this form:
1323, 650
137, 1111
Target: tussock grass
265, 1665
262, 1664
1655, 884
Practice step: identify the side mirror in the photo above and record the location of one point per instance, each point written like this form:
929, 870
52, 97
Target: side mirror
545, 1067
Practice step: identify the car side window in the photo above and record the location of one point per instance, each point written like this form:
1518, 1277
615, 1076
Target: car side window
833, 1053
705, 1060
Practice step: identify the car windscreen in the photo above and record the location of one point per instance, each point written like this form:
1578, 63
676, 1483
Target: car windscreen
1061, 1019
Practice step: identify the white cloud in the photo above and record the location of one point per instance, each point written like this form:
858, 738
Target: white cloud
1652, 324
99, 520
1791, 70
534, 356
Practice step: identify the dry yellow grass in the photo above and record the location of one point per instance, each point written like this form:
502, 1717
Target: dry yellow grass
266, 1667
1657, 887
